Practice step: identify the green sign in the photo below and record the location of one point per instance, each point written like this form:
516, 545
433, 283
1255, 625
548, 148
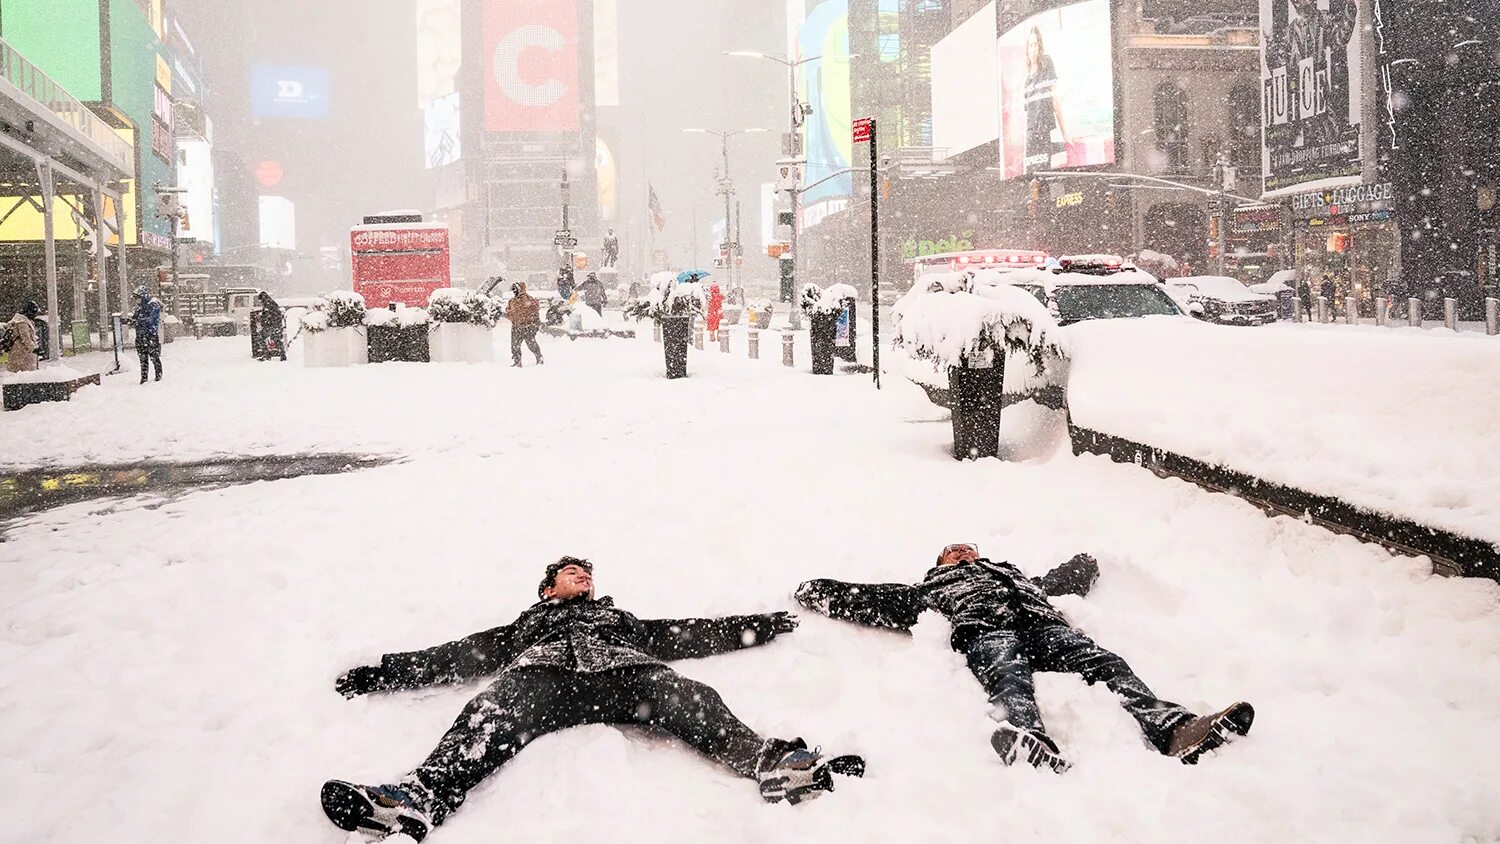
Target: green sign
914, 247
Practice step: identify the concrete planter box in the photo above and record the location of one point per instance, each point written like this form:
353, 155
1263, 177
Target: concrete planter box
398, 343
335, 347
461, 342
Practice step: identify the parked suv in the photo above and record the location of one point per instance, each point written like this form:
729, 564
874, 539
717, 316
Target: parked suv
1216, 298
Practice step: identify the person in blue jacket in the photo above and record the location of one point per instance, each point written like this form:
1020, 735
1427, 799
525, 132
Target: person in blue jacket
146, 320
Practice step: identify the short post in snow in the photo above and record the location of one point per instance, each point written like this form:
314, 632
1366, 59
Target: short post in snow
1351, 309
724, 339
753, 339
1322, 309
1414, 312
1450, 314
698, 335
787, 357
655, 332
1382, 310
1492, 316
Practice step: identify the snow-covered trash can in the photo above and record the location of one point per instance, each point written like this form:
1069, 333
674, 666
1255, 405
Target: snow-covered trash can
463, 325
955, 337
674, 302
333, 331
823, 309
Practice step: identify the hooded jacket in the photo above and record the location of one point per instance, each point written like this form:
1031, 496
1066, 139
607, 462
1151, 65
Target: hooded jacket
23, 344
524, 309
582, 635
975, 597
146, 318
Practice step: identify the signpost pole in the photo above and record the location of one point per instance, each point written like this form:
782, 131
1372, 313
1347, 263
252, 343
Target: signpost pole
865, 131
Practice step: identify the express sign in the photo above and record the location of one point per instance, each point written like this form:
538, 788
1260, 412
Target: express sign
531, 73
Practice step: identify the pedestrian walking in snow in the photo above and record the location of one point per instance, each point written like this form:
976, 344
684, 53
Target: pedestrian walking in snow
1304, 291
1329, 291
593, 293
1006, 627
525, 315
32, 311
570, 660
19, 342
146, 319
272, 339
715, 311
565, 284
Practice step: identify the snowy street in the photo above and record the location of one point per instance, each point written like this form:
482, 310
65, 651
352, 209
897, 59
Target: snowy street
167, 662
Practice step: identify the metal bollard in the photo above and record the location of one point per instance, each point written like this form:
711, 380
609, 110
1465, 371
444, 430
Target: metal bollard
1382, 310
698, 336
1450, 314
724, 339
1492, 316
1414, 312
655, 332
753, 338
1322, 309
1351, 310
787, 356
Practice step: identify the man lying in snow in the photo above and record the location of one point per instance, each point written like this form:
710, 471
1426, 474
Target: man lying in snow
570, 660
1006, 627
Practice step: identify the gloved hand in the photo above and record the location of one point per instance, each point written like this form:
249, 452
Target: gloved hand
783, 622
360, 681
814, 594
1075, 577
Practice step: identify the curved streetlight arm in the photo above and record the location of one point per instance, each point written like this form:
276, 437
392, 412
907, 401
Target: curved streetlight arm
1152, 179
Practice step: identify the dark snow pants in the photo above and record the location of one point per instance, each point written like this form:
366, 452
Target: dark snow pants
1004, 660
527, 703
148, 349
526, 333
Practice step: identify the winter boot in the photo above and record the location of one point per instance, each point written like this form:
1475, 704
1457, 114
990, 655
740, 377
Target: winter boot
1013, 743
379, 810
789, 771
1194, 738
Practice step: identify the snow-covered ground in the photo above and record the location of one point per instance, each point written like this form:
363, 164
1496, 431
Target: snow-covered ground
1398, 420
166, 665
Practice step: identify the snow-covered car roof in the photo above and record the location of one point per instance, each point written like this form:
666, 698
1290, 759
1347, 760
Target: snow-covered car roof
1050, 280
1219, 287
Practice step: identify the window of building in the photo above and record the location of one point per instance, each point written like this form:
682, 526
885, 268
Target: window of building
1244, 127
1170, 111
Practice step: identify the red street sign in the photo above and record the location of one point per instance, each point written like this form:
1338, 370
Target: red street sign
269, 174
863, 128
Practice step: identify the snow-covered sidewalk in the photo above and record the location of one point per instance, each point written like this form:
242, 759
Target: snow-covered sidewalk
1397, 420
166, 665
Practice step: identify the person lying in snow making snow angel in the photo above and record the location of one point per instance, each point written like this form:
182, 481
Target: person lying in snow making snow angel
571, 660
1006, 627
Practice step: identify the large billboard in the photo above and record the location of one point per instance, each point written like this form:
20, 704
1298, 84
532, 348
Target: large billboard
965, 87
195, 175
439, 49
443, 139
278, 223
531, 66
1057, 89
1311, 108
829, 129
282, 91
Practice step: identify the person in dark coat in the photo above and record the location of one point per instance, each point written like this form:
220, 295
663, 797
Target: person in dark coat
146, 319
32, 311
1328, 290
569, 660
525, 315
272, 325
1006, 627
1304, 292
565, 284
593, 293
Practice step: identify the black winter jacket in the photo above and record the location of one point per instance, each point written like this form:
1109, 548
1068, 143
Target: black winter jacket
975, 597
582, 635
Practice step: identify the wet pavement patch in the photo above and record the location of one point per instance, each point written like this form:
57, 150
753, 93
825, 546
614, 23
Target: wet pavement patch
40, 489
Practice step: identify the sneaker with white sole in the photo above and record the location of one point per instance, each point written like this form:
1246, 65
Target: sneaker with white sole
381, 810
1012, 743
795, 774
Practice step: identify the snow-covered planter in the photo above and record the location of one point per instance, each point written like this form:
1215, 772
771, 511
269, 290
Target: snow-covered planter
824, 309
966, 341
397, 335
463, 323
333, 331
673, 304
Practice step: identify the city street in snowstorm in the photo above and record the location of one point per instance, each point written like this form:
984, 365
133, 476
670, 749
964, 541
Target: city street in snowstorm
756, 421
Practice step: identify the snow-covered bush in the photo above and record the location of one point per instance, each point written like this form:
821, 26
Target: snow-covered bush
339, 309
399, 318
958, 321
670, 297
815, 299
456, 305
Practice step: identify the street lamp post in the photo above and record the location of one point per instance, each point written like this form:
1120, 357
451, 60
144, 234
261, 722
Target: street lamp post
732, 248
798, 113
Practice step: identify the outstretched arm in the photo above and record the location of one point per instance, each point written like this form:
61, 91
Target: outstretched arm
1075, 577
469, 657
689, 638
892, 605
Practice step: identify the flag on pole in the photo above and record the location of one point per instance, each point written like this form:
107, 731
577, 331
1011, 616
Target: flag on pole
658, 220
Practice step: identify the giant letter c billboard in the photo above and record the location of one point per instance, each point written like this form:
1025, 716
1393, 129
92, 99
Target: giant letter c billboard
531, 66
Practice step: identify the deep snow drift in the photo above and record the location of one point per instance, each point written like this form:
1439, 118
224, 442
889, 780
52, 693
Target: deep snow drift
166, 666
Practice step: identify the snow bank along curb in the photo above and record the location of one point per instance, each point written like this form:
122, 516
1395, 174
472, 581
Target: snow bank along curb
1451, 553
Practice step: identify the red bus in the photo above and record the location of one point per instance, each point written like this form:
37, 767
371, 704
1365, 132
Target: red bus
399, 259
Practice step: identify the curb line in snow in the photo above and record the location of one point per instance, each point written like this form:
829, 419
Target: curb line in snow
1451, 553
